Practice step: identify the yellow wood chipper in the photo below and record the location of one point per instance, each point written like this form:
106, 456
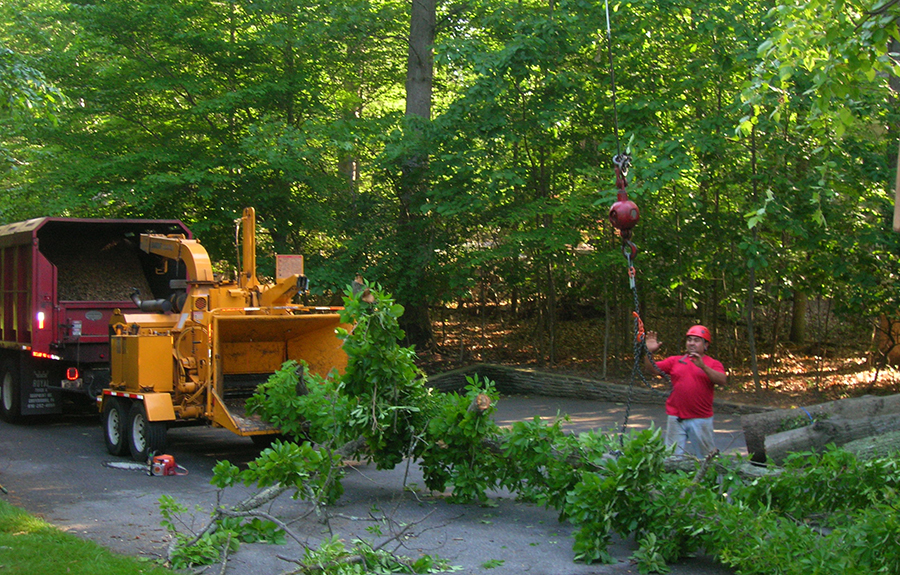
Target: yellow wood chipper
197, 356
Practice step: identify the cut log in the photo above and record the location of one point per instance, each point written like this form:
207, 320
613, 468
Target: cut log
759, 425
837, 430
875, 447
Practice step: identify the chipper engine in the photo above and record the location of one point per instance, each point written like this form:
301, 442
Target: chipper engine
197, 356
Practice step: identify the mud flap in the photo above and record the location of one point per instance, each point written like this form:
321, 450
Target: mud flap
35, 378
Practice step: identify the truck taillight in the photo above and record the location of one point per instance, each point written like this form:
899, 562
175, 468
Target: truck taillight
72, 374
40, 319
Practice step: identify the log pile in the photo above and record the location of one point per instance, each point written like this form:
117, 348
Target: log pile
773, 435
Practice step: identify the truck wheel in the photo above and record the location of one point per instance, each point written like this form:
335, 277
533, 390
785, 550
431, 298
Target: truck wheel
115, 430
144, 437
10, 402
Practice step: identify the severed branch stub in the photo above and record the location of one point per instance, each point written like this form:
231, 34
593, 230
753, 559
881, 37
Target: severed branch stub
480, 404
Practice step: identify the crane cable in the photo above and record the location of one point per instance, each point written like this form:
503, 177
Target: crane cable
624, 215
612, 78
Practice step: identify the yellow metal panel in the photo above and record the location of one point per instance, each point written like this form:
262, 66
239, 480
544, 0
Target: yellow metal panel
142, 363
321, 349
221, 417
116, 360
260, 343
159, 407
252, 356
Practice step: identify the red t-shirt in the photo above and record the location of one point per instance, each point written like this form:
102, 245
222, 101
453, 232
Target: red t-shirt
692, 391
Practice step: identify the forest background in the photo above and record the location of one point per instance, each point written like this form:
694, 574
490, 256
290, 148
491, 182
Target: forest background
458, 153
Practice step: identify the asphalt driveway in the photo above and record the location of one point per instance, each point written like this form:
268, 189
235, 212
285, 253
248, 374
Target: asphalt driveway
56, 469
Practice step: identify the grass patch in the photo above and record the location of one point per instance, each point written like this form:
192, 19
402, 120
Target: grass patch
31, 546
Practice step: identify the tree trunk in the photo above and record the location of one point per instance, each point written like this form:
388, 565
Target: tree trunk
414, 238
606, 322
838, 430
751, 288
894, 83
798, 317
897, 195
551, 314
420, 61
751, 335
759, 425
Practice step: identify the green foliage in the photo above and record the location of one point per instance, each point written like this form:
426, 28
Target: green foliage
314, 473
799, 421
757, 540
826, 513
334, 557
390, 403
303, 405
539, 464
455, 451
833, 483
24, 89
629, 495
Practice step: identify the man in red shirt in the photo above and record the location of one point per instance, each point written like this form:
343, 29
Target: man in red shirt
690, 404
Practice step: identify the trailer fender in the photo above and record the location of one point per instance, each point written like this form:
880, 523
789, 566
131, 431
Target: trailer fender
159, 407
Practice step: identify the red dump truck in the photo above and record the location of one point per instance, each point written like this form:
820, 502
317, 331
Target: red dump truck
60, 281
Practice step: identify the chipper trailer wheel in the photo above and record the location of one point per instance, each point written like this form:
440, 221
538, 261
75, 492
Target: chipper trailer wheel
144, 437
115, 432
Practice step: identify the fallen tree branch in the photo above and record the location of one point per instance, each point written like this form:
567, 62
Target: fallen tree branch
356, 558
701, 473
224, 559
255, 501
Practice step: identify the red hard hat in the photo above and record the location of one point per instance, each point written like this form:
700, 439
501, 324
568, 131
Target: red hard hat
700, 331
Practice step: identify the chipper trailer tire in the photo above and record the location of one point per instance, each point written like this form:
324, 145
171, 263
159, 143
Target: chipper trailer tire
115, 419
145, 437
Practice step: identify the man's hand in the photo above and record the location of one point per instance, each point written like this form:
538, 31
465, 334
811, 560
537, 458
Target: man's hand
652, 342
716, 377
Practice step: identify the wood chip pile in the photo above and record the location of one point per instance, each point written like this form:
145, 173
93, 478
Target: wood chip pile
97, 269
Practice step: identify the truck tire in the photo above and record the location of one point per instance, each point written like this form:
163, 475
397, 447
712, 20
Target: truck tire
10, 390
144, 437
115, 428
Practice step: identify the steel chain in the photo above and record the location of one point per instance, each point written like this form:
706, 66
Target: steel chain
640, 345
